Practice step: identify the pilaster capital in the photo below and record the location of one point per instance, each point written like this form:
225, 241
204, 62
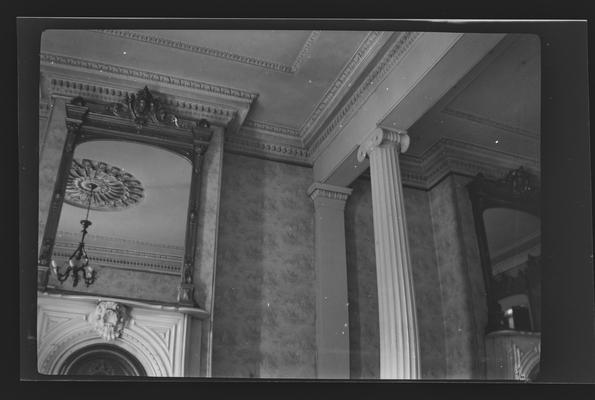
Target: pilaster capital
323, 190
383, 136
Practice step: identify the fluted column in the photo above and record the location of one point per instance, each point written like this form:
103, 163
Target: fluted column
332, 314
399, 348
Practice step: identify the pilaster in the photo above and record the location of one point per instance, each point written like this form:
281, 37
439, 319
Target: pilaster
332, 314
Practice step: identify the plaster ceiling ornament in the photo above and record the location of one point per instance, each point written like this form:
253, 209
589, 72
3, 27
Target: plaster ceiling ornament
109, 319
116, 189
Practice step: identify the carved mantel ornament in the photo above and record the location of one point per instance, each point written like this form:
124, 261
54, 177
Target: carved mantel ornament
109, 319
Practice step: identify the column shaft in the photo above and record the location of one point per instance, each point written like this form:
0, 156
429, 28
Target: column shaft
399, 347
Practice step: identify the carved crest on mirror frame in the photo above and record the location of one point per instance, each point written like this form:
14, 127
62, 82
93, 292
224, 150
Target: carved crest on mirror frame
143, 108
519, 181
110, 319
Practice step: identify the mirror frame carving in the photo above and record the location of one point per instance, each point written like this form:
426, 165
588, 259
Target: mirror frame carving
139, 118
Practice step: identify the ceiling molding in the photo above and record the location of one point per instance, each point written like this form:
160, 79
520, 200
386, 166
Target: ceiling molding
225, 55
366, 46
488, 122
450, 155
272, 129
305, 51
208, 88
401, 43
270, 151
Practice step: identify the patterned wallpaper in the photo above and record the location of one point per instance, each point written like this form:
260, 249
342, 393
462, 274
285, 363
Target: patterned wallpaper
264, 312
362, 292
458, 276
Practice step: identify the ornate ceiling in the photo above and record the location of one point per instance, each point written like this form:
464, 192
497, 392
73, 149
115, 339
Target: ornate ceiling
284, 94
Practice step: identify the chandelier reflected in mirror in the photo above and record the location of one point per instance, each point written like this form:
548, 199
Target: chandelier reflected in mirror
77, 264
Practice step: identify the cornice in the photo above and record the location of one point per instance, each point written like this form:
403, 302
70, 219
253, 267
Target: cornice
208, 88
225, 55
360, 54
269, 128
395, 54
62, 85
450, 155
489, 122
273, 151
323, 190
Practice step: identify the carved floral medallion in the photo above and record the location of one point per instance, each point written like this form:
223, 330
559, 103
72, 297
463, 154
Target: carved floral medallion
116, 189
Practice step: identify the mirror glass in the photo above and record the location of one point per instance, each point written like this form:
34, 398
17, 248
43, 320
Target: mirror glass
138, 215
514, 245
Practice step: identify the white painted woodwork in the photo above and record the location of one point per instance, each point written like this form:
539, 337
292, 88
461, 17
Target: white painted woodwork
434, 64
399, 342
155, 334
332, 314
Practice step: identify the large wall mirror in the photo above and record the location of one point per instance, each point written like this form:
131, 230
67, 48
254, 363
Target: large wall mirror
127, 189
508, 226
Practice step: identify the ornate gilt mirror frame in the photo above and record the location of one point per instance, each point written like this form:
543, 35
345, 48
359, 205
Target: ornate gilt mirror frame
142, 119
518, 190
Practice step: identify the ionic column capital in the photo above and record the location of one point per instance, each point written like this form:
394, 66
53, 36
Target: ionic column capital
317, 190
383, 136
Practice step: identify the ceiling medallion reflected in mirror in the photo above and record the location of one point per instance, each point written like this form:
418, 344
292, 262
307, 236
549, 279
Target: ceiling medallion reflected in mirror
115, 190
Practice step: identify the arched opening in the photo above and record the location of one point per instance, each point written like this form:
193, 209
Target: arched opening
102, 359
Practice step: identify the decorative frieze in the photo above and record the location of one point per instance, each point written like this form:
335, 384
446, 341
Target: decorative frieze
208, 88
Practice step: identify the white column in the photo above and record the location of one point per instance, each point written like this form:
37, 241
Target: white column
332, 316
399, 348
